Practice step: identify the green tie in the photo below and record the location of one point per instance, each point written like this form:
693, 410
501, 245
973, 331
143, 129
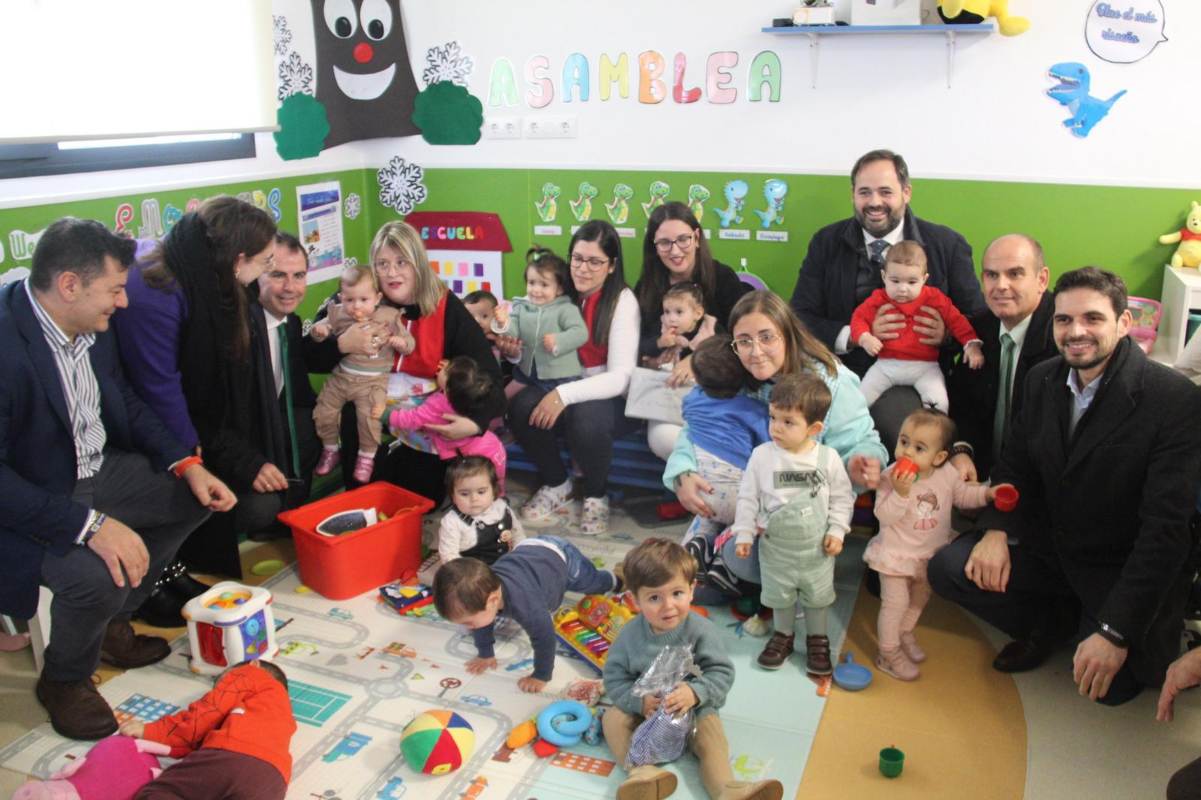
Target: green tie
1003, 394
283, 362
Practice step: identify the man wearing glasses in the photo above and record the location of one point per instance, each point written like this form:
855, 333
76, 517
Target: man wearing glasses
842, 267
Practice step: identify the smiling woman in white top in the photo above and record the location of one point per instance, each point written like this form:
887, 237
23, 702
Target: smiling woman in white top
590, 411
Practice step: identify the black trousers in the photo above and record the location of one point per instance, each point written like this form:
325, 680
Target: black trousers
1186, 783
589, 428
163, 511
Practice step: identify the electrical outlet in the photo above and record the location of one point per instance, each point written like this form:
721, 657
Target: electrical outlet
502, 128
551, 126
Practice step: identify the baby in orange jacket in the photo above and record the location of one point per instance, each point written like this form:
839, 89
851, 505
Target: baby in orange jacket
905, 360
233, 742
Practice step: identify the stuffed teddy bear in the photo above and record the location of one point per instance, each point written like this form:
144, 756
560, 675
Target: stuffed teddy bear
971, 12
1188, 254
114, 769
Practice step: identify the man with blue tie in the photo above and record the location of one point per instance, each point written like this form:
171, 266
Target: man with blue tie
95, 494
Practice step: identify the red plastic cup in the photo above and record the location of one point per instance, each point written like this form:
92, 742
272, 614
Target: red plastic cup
904, 466
1006, 498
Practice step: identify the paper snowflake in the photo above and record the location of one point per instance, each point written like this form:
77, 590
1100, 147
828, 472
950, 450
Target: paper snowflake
283, 36
447, 63
295, 77
352, 206
401, 185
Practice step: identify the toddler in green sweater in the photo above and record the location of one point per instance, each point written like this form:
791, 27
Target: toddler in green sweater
661, 574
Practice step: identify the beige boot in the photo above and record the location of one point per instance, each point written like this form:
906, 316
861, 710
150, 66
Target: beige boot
648, 783
760, 790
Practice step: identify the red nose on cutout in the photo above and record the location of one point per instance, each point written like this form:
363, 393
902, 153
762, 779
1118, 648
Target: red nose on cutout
363, 52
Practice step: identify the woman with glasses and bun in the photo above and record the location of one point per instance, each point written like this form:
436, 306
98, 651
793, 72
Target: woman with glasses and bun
675, 251
589, 411
770, 342
443, 329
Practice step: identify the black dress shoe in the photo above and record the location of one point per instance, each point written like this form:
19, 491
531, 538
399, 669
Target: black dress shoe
187, 587
76, 709
128, 650
1023, 655
162, 609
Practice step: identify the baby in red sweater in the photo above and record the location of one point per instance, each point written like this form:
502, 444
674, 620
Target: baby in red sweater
905, 361
232, 742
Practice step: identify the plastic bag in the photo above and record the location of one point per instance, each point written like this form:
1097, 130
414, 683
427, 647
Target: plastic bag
662, 737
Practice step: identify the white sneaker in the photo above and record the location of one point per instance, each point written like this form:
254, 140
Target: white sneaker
542, 509
595, 518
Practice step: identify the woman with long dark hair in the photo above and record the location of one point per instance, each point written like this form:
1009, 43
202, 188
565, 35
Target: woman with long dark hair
675, 251
589, 411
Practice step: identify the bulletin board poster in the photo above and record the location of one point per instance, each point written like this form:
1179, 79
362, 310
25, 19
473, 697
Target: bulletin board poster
465, 248
320, 210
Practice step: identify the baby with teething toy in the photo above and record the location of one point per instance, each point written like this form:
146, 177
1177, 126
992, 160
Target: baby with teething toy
661, 576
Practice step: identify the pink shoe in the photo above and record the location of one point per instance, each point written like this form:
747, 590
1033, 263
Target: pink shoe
897, 664
363, 467
329, 459
912, 649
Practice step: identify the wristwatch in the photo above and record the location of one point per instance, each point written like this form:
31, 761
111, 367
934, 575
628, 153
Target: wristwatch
93, 528
1111, 636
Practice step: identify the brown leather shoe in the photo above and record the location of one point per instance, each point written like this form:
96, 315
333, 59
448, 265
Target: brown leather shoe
817, 652
777, 650
76, 709
125, 649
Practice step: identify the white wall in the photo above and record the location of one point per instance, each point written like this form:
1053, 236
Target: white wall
994, 123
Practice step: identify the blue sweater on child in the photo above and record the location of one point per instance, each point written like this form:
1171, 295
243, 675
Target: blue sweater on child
728, 427
533, 581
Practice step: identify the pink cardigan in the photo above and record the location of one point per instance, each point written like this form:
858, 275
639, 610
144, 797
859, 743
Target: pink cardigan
431, 413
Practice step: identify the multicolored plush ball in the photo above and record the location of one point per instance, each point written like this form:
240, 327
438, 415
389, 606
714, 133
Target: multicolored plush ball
437, 742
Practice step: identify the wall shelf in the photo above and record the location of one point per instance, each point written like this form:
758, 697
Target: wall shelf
816, 32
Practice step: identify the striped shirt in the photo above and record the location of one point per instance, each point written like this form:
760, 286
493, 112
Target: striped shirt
80, 389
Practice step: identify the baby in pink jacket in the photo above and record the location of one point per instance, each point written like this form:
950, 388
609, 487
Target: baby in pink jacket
463, 388
913, 505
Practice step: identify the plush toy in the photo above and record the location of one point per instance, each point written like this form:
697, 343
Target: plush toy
437, 742
972, 12
1188, 254
114, 769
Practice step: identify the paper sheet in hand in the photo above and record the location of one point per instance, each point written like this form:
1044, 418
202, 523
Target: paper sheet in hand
651, 398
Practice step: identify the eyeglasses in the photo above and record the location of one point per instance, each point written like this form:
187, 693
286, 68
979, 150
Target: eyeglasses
746, 344
391, 266
594, 263
683, 241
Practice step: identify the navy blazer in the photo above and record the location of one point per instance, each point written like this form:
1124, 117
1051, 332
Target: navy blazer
37, 447
824, 297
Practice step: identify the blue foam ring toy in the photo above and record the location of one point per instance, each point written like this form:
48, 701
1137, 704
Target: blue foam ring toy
563, 722
851, 676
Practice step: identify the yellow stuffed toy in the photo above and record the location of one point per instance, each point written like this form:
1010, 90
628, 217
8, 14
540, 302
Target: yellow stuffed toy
967, 12
1188, 254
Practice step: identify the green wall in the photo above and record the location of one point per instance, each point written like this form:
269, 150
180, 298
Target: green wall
1112, 227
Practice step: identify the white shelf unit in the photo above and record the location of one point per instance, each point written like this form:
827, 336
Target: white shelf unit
1181, 294
816, 32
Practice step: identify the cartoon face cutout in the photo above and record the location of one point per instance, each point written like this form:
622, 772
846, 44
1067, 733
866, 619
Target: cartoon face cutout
364, 79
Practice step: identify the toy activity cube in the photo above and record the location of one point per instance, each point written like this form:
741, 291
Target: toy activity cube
229, 624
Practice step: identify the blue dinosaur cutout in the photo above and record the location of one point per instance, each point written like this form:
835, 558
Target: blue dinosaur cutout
1073, 91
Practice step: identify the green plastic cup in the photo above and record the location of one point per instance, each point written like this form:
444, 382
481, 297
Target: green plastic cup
892, 761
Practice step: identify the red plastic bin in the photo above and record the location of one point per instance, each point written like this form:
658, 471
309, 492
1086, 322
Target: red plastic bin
344, 566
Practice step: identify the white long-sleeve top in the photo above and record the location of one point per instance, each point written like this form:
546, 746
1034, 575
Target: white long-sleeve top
613, 378
456, 535
774, 476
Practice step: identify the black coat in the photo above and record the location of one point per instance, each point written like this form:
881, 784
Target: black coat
727, 290
1113, 505
973, 392
824, 297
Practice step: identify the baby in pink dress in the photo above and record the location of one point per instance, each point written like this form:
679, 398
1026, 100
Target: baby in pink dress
913, 505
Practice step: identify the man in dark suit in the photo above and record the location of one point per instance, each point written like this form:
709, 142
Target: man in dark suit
88, 503
842, 267
1016, 331
1106, 453
292, 442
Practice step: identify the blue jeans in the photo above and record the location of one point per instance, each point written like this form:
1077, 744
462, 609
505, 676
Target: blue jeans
582, 574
